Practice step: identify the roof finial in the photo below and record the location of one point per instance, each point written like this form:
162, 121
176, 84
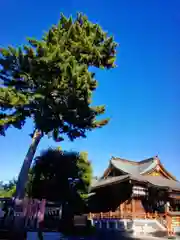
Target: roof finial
157, 159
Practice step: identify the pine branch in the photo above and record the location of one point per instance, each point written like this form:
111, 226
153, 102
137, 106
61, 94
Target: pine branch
49, 80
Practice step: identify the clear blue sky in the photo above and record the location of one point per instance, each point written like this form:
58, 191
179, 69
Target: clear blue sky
142, 95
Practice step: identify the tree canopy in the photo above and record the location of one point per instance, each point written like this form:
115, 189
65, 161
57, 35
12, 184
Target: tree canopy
8, 189
51, 173
49, 80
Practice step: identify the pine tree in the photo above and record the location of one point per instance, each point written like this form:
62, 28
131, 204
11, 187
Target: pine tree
49, 81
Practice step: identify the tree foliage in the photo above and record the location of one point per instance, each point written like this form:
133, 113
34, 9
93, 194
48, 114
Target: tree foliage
49, 80
50, 174
8, 189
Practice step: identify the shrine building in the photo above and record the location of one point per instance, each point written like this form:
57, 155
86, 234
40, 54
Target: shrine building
136, 190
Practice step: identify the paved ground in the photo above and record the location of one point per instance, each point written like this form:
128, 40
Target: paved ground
106, 236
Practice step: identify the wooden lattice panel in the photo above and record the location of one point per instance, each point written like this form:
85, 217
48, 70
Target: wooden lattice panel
176, 221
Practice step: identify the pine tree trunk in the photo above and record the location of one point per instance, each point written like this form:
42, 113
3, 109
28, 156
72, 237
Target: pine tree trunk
23, 175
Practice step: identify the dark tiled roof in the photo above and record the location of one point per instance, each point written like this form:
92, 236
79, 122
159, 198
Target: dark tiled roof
131, 167
156, 181
109, 181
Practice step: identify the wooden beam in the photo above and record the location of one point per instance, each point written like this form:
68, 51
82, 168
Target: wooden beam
107, 171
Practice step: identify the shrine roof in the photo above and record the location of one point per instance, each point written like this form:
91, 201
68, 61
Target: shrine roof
108, 181
132, 167
157, 181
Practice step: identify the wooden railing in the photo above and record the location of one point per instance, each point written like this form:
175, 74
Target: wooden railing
119, 215
169, 220
173, 220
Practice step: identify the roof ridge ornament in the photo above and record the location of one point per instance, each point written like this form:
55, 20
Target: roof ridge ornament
157, 160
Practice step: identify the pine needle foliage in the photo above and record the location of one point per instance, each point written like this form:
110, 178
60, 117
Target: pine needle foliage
49, 80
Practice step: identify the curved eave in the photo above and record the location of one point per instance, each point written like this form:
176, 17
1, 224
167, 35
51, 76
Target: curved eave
159, 182
149, 168
114, 165
107, 171
168, 173
153, 167
129, 168
110, 181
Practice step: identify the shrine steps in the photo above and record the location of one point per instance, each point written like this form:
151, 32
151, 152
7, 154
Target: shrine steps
144, 227
149, 227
